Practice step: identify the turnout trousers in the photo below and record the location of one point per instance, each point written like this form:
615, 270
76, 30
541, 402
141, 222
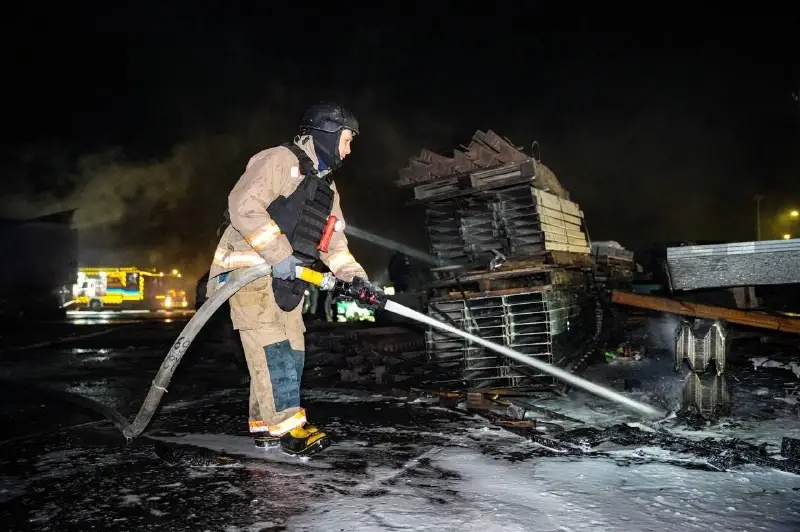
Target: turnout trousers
274, 348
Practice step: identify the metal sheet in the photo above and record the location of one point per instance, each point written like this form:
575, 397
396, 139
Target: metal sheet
736, 264
734, 248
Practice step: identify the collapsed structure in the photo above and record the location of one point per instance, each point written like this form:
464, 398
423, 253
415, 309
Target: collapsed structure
514, 264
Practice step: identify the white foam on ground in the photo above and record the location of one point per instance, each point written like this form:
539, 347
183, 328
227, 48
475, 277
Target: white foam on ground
766, 362
241, 446
567, 495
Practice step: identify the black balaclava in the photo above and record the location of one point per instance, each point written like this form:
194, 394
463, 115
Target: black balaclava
325, 123
326, 146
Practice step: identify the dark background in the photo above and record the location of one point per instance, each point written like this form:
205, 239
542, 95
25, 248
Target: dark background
662, 123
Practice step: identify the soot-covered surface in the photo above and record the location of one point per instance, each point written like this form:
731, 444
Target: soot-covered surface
398, 463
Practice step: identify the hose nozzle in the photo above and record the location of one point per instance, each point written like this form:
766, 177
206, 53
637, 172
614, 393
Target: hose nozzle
364, 292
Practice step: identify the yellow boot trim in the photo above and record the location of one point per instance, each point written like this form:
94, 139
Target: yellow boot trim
309, 438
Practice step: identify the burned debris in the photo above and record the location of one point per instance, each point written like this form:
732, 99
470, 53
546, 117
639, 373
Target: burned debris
515, 264
713, 288
486, 151
382, 357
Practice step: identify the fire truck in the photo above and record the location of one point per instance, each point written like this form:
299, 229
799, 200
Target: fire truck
128, 288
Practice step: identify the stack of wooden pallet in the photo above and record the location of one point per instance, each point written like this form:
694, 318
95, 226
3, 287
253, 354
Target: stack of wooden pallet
514, 262
493, 198
518, 220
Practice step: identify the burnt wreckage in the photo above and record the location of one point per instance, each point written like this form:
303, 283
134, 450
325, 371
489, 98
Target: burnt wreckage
515, 265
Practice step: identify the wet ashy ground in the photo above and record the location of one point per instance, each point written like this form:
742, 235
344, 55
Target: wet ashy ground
399, 461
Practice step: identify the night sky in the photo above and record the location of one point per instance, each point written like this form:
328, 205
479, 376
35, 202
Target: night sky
662, 125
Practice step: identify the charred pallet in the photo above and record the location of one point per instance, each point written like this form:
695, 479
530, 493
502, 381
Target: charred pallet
488, 161
507, 281
613, 272
484, 150
519, 222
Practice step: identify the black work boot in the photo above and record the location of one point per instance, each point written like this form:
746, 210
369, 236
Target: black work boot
304, 441
266, 441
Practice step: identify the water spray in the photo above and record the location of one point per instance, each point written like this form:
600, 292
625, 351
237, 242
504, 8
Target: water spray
556, 372
393, 245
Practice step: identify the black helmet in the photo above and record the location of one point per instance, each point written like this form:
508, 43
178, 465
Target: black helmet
330, 118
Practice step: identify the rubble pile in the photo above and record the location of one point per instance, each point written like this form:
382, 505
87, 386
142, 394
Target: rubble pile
711, 454
366, 356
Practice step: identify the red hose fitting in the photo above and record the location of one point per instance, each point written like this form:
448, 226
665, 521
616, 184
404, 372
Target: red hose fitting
327, 234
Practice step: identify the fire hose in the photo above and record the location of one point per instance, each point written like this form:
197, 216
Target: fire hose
365, 294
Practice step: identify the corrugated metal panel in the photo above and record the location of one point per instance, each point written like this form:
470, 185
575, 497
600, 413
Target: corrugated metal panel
555, 326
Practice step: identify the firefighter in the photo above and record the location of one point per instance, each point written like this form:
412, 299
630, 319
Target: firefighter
400, 271
277, 212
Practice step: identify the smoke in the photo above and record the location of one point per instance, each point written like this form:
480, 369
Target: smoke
107, 188
113, 187
661, 332
164, 212
666, 386
159, 213
391, 245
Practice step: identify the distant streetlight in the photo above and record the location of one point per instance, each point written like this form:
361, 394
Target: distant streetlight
793, 214
758, 199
